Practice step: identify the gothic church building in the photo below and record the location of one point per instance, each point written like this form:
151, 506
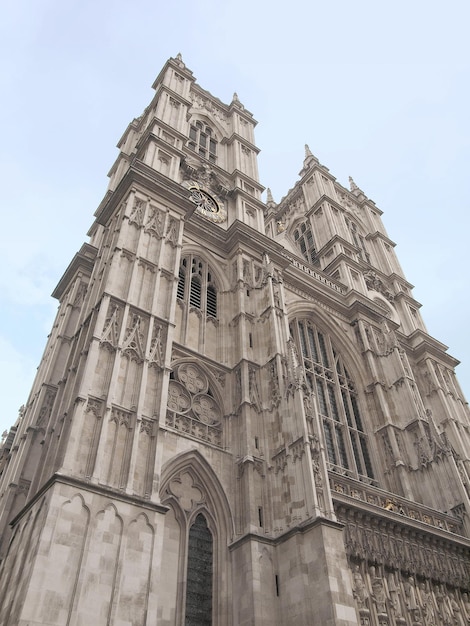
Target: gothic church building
239, 418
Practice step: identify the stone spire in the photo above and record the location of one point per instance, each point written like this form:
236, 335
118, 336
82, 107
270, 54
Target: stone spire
179, 60
309, 160
269, 197
270, 203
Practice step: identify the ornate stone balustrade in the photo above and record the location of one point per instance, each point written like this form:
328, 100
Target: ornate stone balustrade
393, 506
186, 424
401, 535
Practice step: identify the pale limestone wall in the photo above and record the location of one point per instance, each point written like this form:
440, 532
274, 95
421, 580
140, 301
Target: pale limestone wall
87, 558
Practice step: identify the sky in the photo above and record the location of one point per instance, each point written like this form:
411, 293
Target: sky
379, 91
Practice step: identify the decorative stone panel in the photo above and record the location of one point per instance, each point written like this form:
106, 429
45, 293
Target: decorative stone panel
191, 408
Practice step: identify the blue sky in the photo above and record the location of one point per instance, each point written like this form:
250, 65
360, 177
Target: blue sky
378, 91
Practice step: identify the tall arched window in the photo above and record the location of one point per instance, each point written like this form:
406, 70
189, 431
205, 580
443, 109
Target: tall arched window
337, 400
196, 286
199, 574
303, 237
202, 140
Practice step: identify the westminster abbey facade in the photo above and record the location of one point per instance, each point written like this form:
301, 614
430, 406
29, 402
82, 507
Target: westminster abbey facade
239, 418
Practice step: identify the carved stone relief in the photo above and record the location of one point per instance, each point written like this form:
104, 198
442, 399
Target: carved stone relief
156, 348
199, 102
172, 232
134, 341
410, 552
191, 408
186, 492
46, 407
255, 398
392, 597
137, 213
110, 336
375, 283
155, 223
275, 393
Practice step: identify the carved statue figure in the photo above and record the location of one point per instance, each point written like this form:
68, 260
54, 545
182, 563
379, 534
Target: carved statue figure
378, 592
466, 604
445, 612
410, 598
394, 590
359, 588
427, 605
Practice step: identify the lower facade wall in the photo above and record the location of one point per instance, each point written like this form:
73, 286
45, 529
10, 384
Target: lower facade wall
301, 578
79, 558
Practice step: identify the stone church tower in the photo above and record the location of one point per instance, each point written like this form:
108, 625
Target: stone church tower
239, 418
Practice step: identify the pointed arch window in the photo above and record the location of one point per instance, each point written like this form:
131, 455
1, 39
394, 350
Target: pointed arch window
202, 141
328, 378
196, 286
303, 237
199, 574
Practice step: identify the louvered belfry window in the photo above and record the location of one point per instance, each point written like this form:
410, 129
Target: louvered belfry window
196, 286
202, 141
329, 380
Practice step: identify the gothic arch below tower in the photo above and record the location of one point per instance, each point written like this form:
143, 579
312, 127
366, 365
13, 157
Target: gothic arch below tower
204, 479
190, 489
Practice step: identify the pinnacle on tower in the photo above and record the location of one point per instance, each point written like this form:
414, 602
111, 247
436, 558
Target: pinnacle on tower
236, 101
354, 188
269, 197
309, 160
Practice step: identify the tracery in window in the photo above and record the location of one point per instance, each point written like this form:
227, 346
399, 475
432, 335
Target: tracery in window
303, 237
196, 285
203, 141
191, 406
338, 404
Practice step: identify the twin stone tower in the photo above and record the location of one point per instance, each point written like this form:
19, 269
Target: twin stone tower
239, 418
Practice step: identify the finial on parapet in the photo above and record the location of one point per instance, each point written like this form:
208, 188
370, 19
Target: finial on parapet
352, 184
236, 100
354, 188
179, 60
308, 152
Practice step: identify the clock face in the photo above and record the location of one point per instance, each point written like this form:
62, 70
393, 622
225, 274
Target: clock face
206, 204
